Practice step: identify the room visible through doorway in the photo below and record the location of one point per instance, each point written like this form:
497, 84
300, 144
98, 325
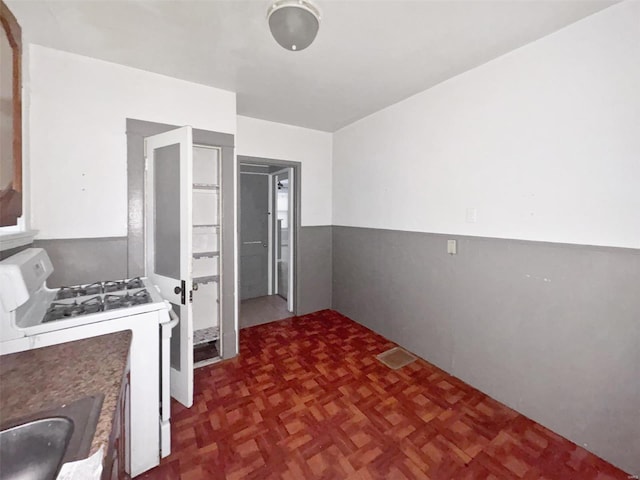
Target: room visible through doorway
268, 219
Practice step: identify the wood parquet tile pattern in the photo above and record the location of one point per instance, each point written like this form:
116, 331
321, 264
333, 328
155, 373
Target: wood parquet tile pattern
306, 399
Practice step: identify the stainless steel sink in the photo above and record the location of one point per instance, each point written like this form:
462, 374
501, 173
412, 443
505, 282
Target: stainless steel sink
34, 450
35, 447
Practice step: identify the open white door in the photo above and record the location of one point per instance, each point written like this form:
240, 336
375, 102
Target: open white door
168, 232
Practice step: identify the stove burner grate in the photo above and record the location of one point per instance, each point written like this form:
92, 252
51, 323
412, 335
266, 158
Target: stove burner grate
111, 302
58, 311
112, 286
97, 288
134, 283
70, 292
93, 289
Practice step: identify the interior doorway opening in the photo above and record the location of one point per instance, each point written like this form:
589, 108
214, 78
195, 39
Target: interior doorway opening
269, 193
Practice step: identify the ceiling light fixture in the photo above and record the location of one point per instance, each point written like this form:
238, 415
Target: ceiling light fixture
294, 23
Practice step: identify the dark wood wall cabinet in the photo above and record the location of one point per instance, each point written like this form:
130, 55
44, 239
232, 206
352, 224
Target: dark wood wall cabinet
10, 130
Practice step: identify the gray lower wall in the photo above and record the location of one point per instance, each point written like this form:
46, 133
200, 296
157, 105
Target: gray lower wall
551, 330
314, 269
85, 260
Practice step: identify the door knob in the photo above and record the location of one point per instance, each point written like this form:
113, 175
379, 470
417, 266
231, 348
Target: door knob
177, 290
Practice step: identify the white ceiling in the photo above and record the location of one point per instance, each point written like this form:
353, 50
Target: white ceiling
368, 54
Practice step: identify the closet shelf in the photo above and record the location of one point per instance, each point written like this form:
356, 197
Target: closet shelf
206, 254
206, 279
205, 335
206, 186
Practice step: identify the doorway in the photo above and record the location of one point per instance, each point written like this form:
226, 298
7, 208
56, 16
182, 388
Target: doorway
269, 219
208, 329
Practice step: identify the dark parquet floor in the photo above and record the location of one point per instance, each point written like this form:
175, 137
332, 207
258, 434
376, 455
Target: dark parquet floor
306, 399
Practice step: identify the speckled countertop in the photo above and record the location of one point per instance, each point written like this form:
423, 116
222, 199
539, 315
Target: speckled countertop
45, 378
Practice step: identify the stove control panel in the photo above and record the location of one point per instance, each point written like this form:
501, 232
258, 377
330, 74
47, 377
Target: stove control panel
21, 275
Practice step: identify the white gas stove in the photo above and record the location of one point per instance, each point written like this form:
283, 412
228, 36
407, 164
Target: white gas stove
33, 315
29, 307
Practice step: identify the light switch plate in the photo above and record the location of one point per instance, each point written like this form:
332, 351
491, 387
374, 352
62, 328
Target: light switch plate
452, 247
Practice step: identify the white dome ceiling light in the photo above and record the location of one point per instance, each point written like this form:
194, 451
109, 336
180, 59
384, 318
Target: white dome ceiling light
294, 23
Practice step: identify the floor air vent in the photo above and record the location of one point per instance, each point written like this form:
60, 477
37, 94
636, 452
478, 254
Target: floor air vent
396, 358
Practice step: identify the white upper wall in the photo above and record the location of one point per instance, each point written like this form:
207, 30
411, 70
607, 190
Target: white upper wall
77, 140
312, 148
544, 142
